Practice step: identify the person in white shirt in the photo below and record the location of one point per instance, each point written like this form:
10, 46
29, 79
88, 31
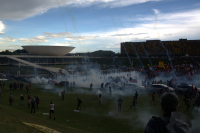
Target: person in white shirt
51, 109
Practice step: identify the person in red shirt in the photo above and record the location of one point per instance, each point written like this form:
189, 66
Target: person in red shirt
27, 87
153, 97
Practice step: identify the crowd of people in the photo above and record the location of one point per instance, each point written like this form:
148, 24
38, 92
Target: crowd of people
190, 97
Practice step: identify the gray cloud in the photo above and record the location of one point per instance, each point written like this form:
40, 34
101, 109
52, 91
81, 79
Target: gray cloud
21, 9
68, 36
128, 34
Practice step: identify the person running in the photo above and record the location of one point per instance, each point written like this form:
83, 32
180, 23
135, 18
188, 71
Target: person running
153, 97
100, 99
136, 96
11, 98
134, 101
29, 101
21, 99
120, 101
37, 102
79, 103
33, 105
51, 109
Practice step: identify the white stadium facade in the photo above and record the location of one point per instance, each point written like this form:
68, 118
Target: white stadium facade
48, 50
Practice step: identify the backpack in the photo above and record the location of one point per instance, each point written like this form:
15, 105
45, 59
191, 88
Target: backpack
179, 123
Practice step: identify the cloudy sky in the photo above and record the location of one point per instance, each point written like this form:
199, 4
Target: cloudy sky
91, 25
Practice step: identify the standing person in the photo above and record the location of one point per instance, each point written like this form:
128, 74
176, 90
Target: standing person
79, 103
21, 99
136, 96
27, 88
51, 109
91, 86
110, 91
120, 101
134, 101
11, 99
10, 86
100, 99
37, 102
34, 98
169, 104
63, 95
29, 101
101, 86
22, 86
153, 97
33, 105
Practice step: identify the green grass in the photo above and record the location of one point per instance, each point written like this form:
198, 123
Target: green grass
92, 118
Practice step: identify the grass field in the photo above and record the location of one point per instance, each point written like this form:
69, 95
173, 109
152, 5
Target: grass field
92, 118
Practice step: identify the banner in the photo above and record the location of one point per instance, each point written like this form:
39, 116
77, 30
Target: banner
161, 64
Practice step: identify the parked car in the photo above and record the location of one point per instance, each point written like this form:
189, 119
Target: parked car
159, 87
53, 82
113, 85
134, 86
2, 75
64, 83
184, 86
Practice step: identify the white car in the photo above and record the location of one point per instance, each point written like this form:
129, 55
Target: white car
184, 87
134, 86
113, 86
159, 87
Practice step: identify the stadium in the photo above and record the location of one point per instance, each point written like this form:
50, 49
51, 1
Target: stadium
154, 47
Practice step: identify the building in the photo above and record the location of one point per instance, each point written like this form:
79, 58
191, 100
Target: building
48, 50
41, 57
154, 47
